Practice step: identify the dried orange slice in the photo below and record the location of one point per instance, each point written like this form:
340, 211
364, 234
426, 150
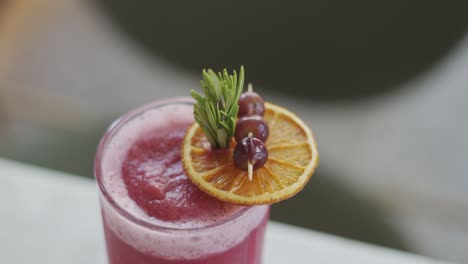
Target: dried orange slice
293, 158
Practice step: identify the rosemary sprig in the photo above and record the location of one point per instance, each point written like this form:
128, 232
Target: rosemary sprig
216, 111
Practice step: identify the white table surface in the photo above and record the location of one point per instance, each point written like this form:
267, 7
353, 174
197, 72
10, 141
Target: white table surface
49, 217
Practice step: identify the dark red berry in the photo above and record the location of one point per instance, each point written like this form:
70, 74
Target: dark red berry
251, 124
251, 150
251, 103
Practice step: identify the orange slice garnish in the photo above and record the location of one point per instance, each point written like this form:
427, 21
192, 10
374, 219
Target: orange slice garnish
292, 159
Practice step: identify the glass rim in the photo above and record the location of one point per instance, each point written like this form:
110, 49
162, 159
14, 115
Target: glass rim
98, 173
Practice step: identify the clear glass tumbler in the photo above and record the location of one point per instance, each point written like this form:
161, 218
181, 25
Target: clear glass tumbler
134, 237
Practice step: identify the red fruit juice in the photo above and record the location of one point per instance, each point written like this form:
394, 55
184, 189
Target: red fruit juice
151, 211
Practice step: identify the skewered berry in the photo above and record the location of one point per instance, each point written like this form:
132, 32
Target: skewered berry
251, 103
251, 124
250, 150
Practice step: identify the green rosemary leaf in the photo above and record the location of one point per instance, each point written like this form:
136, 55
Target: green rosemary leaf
196, 96
216, 110
223, 138
225, 126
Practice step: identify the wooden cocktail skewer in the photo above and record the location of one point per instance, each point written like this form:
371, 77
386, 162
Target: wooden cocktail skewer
249, 165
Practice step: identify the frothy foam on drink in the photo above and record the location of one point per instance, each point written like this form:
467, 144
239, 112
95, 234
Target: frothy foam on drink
173, 239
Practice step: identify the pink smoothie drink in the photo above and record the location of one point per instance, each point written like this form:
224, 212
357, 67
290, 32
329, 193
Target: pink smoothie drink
152, 213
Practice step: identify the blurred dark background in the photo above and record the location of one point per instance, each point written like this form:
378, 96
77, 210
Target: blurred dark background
324, 50
351, 68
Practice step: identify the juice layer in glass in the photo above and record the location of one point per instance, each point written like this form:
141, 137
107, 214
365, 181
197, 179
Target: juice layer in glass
152, 214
